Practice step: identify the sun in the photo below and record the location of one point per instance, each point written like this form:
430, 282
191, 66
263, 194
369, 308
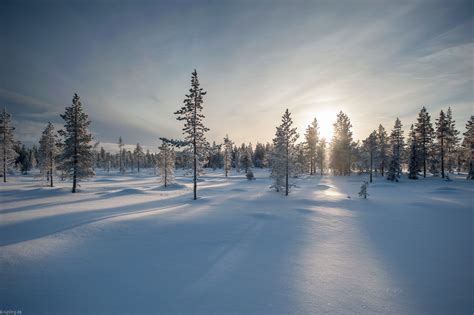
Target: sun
326, 119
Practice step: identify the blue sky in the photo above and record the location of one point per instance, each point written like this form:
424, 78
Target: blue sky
130, 61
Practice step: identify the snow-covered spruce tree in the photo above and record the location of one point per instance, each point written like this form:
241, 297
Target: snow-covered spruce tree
452, 141
413, 159
227, 155
121, 156
236, 155
363, 190
166, 160
246, 153
311, 142
194, 129
424, 132
321, 155
283, 154
23, 160
341, 145
370, 146
48, 151
382, 146
468, 146
392, 170
7, 143
398, 144
442, 132
138, 153
215, 156
260, 155
77, 157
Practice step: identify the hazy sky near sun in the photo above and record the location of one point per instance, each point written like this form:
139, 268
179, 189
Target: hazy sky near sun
130, 61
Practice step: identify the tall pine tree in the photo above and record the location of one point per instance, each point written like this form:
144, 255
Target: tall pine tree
48, 151
7, 143
77, 157
194, 130
227, 155
138, 153
321, 155
413, 160
398, 144
311, 142
424, 133
283, 153
341, 146
452, 141
370, 145
442, 133
468, 145
382, 144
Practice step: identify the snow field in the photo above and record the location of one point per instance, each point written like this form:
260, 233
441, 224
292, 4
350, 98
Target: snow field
126, 245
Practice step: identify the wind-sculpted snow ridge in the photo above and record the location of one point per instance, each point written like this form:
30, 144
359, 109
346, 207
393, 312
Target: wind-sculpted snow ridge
132, 246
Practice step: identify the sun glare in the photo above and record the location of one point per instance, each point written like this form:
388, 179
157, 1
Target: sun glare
326, 119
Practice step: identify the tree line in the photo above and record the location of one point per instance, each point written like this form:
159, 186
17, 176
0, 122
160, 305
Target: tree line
70, 153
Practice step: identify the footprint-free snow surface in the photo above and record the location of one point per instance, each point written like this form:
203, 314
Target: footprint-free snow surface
125, 245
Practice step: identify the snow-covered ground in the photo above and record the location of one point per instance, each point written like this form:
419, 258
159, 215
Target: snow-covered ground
126, 245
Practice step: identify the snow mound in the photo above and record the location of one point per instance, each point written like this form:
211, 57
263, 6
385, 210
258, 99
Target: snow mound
127, 191
170, 187
445, 190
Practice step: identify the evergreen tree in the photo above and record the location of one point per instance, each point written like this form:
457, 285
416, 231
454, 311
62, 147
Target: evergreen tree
103, 158
283, 153
424, 132
442, 133
23, 160
7, 144
413, 166
48, 152
77, 156
321, 155
382, 144
452, 141
236, 157
468, 145
301, 159
260, 155
397, 143
246, 154
138, 153
194, 129
370, 146
363, 190
341, 145
227, 155
121, 155
311, 142
166, 163
392, 170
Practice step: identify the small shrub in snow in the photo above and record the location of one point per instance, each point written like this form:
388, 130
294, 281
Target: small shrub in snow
363, 190
250, 175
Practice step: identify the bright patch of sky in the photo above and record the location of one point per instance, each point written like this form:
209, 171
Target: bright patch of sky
130, 61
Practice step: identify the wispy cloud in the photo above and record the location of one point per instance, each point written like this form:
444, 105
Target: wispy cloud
373, 60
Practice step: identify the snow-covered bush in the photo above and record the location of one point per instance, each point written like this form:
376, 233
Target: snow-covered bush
363, 190
250, 175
